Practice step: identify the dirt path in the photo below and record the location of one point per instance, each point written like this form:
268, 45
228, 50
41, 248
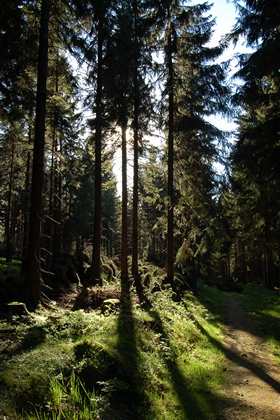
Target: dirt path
253, 390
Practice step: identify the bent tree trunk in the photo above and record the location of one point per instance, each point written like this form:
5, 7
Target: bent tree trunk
33, 263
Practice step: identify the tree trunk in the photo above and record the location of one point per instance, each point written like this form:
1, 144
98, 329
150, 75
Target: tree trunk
69, 243
96, 252
135, 176
57, 203
135, 205
170, 187
27, 196
33, 263
269, 264
124, 266
9, 244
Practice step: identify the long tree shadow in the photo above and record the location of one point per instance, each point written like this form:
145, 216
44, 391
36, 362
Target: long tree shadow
265, 325
189, 400
130, 403
239, 359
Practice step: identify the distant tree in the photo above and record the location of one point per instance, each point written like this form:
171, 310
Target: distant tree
12, 143
110, 207
63, 127
82, 191
152, 189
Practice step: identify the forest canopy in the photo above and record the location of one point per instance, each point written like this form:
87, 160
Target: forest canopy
84, 81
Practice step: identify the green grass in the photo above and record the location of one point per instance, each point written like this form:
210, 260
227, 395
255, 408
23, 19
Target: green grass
160, 363
134, 363
264, 306
68, 400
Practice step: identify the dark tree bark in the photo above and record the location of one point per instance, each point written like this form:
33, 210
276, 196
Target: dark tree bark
124, 265
96, 253
57, 245
135, 149
26, 204
170, 187
269, 260
9, 242
33, 282
135, 193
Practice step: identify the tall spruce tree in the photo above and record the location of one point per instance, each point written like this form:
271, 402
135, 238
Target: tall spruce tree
92, 42
194, 89
120, 92
142, 113
258, 135
33, 279
203, 92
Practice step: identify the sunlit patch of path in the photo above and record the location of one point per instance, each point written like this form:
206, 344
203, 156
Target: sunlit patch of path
253, 390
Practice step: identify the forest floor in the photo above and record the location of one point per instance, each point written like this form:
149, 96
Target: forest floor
203, 358
253, 376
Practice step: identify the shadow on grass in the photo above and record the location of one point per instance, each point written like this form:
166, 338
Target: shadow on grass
190, 400
264, 308
130, 402
238, 359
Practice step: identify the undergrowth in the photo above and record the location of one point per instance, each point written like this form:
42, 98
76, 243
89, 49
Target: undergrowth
164, 362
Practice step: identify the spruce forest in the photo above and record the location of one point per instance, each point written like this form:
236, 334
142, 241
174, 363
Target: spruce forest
128, 217
82, 82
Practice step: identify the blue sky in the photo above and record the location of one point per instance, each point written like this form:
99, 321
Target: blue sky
224, 12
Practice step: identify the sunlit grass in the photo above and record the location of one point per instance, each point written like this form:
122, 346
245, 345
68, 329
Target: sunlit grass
264, 306
182, 366
163, 363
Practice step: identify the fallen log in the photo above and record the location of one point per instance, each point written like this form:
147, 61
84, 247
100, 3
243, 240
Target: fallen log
14, 308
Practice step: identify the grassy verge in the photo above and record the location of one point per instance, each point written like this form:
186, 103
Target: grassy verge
127, 363
264, 306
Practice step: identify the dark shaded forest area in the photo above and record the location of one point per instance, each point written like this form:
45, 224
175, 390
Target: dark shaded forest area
82, 82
